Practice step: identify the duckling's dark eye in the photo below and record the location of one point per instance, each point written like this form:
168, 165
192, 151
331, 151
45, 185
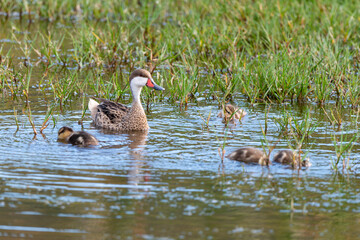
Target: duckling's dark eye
61, 130
228, 110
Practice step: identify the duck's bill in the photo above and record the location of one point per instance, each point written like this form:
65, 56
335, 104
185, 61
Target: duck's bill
157, 87
153, 85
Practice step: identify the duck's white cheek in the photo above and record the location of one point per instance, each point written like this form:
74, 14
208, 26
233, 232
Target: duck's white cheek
138, 82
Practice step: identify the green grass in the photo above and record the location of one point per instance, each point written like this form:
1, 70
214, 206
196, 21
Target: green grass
273, 51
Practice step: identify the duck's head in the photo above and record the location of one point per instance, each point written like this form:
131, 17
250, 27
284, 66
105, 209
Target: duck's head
264, 161
231, 112
140, 78
230, 109
64, 133
306, 163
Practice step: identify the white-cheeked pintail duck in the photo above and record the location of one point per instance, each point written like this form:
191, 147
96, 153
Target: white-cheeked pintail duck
118, 117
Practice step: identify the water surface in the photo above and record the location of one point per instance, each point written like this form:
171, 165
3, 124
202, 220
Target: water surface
170, 182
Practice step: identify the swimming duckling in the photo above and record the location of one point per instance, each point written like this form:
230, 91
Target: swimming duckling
118, 117
81, 138
231, 113
250, 155
292, 158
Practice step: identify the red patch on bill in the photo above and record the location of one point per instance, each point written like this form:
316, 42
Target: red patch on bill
149, 83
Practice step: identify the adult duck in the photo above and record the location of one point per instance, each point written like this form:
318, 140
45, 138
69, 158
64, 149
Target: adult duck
118, 117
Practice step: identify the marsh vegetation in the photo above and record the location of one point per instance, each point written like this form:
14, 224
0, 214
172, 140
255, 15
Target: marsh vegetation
293, 66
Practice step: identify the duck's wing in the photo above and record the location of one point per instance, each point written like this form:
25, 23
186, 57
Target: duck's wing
112, 110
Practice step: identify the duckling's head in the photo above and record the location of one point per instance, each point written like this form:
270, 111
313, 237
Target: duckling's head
231, 113
64, 133
306, 163
140, 78
230, 109
264, 161
297, 162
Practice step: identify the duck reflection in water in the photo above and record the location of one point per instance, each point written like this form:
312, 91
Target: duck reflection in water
136, 142
137, 145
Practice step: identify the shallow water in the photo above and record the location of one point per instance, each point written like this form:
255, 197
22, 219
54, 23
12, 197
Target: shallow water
169, 183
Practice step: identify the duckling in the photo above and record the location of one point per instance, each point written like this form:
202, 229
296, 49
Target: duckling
231, 113
81, 138
250, 155
118, 117
290, 157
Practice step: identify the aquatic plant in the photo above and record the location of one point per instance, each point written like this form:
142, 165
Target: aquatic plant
267, 60
183, 85
343, 145
303, 126
16, 120
205, 124
283, 122
48, 115
334, 117
222, 144
265, 143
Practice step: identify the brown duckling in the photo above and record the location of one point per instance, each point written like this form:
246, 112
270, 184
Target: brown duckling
81, 138
231, 113
250, 155
291, 158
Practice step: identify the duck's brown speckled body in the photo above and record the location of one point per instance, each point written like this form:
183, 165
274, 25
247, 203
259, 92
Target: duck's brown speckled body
291, 158
118, 117
250, 155
68, 135
231, 113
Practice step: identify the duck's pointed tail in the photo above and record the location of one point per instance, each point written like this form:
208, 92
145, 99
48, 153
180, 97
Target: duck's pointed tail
92, 105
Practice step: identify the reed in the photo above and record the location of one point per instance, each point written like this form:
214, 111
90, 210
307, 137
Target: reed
222, 144
343, 145
292, 125
205, 123
268, 52
183, 85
